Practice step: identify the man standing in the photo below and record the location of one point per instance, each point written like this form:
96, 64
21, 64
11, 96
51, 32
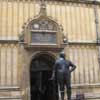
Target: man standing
62, 72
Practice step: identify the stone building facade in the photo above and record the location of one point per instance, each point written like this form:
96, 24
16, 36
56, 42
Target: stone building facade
31, 31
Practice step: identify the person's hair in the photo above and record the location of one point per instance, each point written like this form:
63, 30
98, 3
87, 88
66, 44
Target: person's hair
62, 55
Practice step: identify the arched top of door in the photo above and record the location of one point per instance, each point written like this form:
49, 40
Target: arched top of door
42, 61
48, 54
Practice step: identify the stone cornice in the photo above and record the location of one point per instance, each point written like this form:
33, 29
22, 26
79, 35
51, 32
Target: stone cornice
9, 88
16, 41
73, 1
93, 2
9, 41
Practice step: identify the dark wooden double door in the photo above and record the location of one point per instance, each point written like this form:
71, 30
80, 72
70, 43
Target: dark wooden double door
42, 88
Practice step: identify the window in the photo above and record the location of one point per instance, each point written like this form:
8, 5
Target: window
41, 37
43, 24
43, 31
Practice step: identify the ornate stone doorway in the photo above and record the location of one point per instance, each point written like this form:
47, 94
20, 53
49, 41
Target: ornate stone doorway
41, 87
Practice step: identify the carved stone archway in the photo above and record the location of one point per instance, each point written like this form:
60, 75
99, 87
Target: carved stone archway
40, 36
27, 59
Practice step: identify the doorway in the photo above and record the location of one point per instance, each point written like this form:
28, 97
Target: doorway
42, 88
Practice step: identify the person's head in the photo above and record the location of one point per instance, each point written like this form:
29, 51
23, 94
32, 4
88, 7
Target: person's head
62, 55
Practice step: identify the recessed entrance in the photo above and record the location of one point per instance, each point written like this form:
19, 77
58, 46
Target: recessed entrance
40, 72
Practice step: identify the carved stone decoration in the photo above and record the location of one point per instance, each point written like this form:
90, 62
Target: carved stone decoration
41, 35
43, 24
43, 8
21, 38
42, 32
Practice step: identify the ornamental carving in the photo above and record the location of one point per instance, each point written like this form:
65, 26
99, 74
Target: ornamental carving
42, 31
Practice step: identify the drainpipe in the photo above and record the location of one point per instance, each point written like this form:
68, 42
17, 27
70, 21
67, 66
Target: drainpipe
97, 30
